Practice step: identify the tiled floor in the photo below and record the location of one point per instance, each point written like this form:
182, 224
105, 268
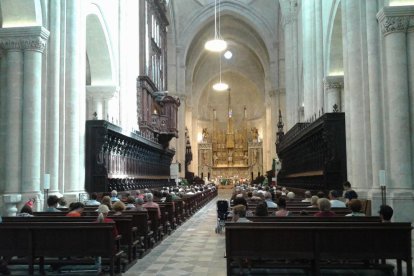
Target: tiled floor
193, 249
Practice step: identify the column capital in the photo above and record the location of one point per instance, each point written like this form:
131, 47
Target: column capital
101, 91
333, 82
24, 38
289, 11
396, 19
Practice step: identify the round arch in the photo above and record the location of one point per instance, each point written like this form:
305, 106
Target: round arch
23, 13
98, 49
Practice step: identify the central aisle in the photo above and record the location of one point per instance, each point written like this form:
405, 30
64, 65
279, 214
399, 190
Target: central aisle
192, 249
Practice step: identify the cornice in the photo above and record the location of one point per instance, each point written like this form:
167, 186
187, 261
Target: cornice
24, 38
396, 19
333, 82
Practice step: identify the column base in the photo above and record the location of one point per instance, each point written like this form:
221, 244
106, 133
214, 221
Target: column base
10, 202
72, 196
401, 200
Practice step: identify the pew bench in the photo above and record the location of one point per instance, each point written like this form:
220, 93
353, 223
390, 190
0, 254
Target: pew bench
315, 244
59, 240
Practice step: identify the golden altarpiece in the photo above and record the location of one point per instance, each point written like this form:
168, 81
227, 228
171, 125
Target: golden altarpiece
230, 153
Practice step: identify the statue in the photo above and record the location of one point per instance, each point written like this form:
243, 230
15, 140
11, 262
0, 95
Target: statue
205, 135
255, 134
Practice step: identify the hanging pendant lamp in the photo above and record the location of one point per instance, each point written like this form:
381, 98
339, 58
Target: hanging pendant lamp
217, 44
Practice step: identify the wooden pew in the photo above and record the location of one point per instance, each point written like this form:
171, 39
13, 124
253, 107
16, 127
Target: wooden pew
58, 240
315, 242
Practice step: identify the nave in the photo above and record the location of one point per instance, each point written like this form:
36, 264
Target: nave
193, 249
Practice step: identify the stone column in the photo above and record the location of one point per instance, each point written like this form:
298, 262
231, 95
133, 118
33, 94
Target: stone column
333, 86
13, 111
410, 51
319, 58
375, 102
394, 22
52, 117
72, 86
12, 75
308, 27
33, 45
100, 95
289, 11
394, 27
3, 122
355, 113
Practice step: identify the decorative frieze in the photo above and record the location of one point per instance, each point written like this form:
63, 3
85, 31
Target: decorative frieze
24, 38
333, 82
396, 19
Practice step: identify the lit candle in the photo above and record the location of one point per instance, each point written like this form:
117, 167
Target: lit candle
46, 184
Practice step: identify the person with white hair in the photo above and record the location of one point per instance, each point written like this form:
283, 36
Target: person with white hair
149, 197
114, 196
308, 196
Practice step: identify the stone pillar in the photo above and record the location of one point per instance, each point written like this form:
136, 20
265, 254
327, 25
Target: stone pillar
375, 102
100, 95
33, 45
333, 86
410, 51
394, 22
13, 114
308, 14
181, 142
23, 112
355, 113
3, 125
289, 11
72, 86
52, 108
394, 27
319, 103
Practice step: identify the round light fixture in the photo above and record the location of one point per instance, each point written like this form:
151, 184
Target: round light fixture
220, 86
228, 54
216, 45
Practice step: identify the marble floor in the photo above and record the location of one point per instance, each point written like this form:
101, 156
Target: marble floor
193, 249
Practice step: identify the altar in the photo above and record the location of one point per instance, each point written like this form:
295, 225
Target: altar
230, 154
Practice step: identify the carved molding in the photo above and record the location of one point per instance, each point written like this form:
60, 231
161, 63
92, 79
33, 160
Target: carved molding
25, 38
333, 82
395, 19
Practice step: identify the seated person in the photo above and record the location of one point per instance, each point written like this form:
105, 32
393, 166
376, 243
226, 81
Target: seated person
356, 206
239, 214
324, 208
52, 202
314, 202
261, 210
107, 201
62, 203
114, 196
130, 203
386, 213
26, 211
321, 194
282, 212
348, 192
290, 196
75, 209
151, 204
103, 211
118, 207
335, 203
308, 196
139, 203
268, 200
93, 200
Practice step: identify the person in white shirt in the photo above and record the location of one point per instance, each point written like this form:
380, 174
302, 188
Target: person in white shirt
333, 198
